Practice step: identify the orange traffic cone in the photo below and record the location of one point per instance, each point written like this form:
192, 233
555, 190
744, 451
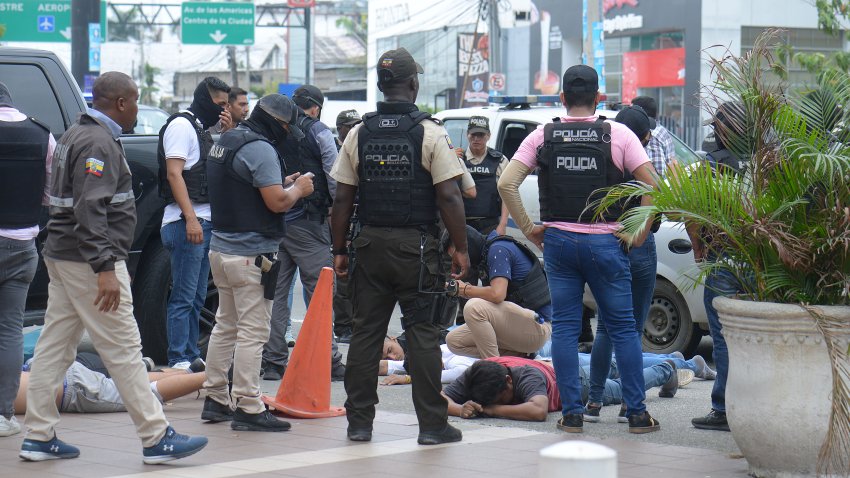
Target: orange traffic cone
305, 391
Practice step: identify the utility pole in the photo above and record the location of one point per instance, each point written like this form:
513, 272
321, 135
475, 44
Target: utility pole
495, 37
231, 61
83, 14
308, 41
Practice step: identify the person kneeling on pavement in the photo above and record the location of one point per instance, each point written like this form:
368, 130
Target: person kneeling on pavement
511, 313
522, 389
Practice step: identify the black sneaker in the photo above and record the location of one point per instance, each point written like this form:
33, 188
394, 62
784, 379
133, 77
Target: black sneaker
715, 420
273, 372
671, 386
359, 434
643, 423
571, 423
216, 412
258, 422
621, 417
338, 372
198, 365
591, 413
448, 434
344, 335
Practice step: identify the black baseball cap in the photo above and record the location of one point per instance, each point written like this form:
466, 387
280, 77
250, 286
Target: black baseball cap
308, 95
636, 119
730, 113
580, 79
397, 65
283, 109
478, 124
347, 117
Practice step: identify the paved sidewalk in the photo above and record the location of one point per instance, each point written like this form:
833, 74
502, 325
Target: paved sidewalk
318, 448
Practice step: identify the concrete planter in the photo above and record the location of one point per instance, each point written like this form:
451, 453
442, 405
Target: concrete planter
779, 389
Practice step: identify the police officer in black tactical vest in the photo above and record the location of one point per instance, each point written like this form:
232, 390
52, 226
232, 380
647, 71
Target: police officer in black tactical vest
485, 212
402, 164
26, 148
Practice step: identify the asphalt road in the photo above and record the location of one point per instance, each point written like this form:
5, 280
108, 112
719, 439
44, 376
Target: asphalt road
674, 414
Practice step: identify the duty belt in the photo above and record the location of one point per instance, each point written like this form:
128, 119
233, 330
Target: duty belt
69, 202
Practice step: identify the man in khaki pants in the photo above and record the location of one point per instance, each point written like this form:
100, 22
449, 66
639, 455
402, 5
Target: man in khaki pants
92, 218
511, 313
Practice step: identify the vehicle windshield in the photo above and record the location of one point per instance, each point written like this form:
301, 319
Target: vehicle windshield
150, 121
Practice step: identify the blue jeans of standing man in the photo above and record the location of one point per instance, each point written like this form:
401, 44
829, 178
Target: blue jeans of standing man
573, 259
190, 271
720, 283
643, 263
18, 262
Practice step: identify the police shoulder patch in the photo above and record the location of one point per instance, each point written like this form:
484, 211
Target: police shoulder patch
435, 120
94, 167
449, 142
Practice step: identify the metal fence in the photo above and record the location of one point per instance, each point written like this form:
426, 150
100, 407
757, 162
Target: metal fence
689, 129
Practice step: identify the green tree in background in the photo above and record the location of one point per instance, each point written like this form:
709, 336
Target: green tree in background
149, 84
833, 16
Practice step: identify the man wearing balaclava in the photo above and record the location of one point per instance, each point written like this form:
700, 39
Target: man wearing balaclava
248, 201
26, 149
184, 143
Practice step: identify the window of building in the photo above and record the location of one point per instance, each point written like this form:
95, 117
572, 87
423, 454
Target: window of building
804, 40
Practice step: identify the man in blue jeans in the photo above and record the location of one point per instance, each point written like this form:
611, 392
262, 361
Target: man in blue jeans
643, 263
577, 155
184, 143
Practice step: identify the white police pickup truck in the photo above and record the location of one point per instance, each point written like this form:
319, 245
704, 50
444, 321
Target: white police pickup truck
677, 319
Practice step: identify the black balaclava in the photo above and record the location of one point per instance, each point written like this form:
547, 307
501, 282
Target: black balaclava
5, 96
203, 107
266, 125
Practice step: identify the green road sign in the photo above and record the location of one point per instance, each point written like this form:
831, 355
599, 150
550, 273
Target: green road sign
40, 21
208, 23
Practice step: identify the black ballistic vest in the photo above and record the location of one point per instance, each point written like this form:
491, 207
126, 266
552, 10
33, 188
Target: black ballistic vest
395, 190
236, 205
575, 161
532, 292
304, 156
487, 202
196, 176
726, 161
23, 159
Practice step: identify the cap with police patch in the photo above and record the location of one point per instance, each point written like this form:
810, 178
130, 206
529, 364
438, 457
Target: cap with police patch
347, 118
636, 119
397, 65
580, 79
284, 109
478, 124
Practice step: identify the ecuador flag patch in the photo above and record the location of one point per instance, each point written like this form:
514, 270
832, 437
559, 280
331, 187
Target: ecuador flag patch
94, 166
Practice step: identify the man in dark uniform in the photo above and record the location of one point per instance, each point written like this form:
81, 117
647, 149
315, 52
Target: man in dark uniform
484, 212
306, 245
92, 219
343, 312
404, 168
26, 147
248, 201
729, 124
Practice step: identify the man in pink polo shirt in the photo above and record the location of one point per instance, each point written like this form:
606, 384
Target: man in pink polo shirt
576, 156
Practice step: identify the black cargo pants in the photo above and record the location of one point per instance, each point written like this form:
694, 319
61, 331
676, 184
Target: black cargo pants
386, 272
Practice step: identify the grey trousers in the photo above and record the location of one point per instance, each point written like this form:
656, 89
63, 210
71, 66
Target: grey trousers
18, 262
306, 248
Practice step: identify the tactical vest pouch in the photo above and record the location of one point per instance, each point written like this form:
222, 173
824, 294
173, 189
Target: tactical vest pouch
533, 291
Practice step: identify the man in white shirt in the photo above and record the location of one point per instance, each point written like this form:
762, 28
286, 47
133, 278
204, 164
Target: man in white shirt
184, 143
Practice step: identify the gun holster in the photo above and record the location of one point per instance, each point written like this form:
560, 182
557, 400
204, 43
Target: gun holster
269, 270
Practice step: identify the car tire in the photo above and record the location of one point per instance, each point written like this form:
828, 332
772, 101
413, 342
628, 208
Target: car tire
668, 327
151, 288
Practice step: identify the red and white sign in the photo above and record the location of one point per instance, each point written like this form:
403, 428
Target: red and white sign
609, 4
497, 81
301, 3
652, 69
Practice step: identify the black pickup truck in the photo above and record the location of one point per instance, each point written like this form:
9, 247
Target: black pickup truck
42, 87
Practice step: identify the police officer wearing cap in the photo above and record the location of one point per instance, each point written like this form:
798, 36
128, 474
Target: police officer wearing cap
247, 199
405, 170
345, 120
485, 211
306, 246
643, 265
577, 155
730, 128
26, 147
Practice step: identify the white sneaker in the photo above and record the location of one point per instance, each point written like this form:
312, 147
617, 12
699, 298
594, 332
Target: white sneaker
9, 426
182, 365
685, 376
